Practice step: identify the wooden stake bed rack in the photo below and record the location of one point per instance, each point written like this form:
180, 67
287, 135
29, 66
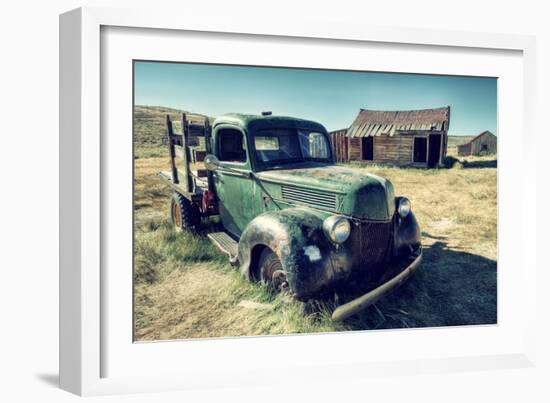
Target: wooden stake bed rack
188, 175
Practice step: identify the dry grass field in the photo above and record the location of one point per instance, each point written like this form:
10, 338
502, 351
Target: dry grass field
185, 288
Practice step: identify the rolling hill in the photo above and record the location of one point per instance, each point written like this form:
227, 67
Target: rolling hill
150, 128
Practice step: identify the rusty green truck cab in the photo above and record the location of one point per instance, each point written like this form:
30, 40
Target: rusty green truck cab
279, 192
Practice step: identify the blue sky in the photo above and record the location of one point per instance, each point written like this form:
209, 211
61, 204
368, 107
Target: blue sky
330, 97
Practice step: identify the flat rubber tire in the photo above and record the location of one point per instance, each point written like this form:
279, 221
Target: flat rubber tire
183, 214
271, 270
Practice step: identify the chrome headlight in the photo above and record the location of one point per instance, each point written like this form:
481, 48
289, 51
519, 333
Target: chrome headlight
403, 207
337, 228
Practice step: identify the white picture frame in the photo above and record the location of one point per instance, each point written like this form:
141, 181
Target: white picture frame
85, 342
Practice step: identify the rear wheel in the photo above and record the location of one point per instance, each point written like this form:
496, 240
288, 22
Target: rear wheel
183, 214
272, 271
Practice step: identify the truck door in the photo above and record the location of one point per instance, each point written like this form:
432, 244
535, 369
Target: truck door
234, 186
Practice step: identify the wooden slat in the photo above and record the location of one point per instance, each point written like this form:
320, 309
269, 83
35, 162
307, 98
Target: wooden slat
196, 130
339, 142
171, 147
188, 183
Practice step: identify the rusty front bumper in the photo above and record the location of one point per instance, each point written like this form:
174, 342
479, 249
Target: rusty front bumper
346, 310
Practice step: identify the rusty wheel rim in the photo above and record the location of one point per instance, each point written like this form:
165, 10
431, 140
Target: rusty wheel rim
176, 213
278, 280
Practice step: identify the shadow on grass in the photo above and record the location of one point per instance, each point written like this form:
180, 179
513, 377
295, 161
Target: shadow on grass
208, 225
450, 288
479, 164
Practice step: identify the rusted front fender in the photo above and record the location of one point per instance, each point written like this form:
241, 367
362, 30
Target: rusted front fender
407, 236
295, 235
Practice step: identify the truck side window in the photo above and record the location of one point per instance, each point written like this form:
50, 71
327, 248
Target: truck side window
231, 146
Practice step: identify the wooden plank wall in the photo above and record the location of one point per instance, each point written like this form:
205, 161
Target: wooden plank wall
339, 143
354, 151
387, 149
393, 149
489, 140
397, 149
463, 149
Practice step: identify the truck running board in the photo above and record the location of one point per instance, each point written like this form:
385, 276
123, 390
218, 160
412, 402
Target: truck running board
226, 244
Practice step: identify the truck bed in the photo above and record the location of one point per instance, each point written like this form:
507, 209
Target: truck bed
201, 183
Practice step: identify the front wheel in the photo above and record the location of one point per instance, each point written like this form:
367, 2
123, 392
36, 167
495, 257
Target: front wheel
272, 271
183, 214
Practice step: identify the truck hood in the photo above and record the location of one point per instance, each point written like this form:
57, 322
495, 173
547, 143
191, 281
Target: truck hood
358, 193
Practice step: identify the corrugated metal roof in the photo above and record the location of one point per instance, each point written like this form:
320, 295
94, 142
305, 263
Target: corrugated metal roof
374, 123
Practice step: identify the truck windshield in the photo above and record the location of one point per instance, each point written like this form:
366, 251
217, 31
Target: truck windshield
275, 146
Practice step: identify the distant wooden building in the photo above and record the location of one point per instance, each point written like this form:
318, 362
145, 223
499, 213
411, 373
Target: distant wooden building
416, 137
483, 144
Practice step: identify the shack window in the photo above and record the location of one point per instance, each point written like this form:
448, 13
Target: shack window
231, 146
420, 150
367, 144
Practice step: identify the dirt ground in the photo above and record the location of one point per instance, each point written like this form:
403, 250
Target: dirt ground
184, 288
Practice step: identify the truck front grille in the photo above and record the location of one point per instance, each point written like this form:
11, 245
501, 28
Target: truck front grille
308, 197
372, 241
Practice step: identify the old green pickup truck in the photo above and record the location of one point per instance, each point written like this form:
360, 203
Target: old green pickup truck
291, 217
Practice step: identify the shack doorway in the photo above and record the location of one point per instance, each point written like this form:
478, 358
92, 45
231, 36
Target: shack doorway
420, 149
434, 150
367, 145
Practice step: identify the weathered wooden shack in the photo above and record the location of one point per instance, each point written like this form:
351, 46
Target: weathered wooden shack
484, 143
413, 137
